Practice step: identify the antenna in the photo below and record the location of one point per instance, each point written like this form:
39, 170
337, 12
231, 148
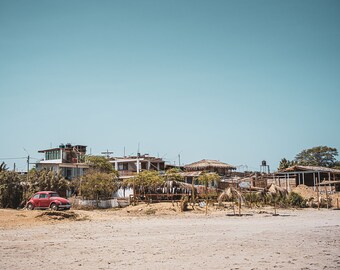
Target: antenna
179, 158
107, 153
138, 156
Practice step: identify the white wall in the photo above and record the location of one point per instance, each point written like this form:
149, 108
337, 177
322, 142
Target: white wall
120, 193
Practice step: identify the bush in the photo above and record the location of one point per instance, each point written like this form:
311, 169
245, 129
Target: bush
296, 200
11, 190
95, 185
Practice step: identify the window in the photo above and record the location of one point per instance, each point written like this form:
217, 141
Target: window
123, 166
36, 196
43, 196
55, 154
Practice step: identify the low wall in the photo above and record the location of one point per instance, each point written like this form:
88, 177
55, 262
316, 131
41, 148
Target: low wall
112, 203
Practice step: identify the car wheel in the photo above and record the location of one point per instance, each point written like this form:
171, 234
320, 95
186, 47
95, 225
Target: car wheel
54, 207
30, 206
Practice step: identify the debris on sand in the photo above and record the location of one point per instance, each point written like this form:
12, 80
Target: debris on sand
56, 215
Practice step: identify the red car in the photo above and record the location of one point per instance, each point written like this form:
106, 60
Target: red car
48, 199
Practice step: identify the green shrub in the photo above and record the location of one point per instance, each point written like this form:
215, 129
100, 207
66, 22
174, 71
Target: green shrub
296, 200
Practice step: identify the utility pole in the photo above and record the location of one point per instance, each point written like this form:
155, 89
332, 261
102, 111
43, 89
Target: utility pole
28, 165
179, 160
138, 164
28, 169
27, 179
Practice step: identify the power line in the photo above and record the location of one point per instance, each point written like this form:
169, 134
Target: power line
14, 158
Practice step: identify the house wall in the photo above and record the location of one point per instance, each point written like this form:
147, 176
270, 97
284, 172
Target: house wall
113, 203
309, 178
52, 161
41, 166
67, 172
123, 193
70, 173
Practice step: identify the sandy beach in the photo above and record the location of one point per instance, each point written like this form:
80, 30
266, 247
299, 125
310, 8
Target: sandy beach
132, 238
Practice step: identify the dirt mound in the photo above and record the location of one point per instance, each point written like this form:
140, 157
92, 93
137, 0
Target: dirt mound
305, 191
309, 193
335, 199
155, 209
58, 215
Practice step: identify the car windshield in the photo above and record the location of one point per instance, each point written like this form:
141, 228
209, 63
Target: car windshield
55, 195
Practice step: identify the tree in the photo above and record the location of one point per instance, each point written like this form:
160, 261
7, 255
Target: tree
3, 167
100, 164
11, 189
285, 163
337, 165
95, 185
174, 175
145, 181
45, 180
99, 182
207, 179
317, 156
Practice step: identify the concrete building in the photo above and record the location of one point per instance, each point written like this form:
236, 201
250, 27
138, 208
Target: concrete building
69, 159
129, 166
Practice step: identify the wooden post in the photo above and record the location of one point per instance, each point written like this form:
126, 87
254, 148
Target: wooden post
303, 178
193, 191
318, 194
239, 206
337, 203
251, 199
134, 192
326, 196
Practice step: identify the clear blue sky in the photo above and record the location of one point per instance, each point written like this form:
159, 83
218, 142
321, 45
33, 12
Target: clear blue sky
237, 81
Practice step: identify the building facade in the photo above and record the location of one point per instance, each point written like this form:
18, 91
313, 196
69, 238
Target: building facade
68, 159
129, 166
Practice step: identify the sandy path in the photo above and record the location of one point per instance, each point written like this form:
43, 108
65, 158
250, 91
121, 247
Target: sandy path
304, 239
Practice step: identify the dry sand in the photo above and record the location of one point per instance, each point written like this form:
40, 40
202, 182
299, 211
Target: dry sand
158, 236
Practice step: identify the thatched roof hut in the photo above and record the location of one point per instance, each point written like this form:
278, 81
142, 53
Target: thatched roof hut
205, 164
211, 166
312, 175
311, 168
